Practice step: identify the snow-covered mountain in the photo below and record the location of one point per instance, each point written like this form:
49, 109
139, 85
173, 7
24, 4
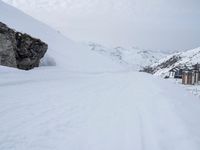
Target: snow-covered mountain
134, 57
86, 102
63, 51
179, 59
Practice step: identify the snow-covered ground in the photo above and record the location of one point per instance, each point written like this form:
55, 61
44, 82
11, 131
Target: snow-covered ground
193, 89
49, 108
88, 102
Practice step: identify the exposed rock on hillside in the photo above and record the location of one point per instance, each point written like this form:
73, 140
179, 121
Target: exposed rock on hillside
176, 60
166, 64
20, 50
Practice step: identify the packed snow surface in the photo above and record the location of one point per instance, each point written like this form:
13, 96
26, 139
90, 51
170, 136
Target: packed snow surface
53, 109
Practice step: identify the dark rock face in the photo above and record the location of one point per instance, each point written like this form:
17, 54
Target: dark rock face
148, 69
20, 50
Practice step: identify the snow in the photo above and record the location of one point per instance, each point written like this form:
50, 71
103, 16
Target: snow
67, 54
87, 102
193, 89
70, 110
134, 58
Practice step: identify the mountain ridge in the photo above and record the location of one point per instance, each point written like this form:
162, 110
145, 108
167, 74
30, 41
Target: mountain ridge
133, 57
176, 60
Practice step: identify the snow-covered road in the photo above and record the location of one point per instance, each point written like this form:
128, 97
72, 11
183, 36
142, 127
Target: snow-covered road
52, 109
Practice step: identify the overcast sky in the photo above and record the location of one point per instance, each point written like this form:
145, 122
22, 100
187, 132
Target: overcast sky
150, 24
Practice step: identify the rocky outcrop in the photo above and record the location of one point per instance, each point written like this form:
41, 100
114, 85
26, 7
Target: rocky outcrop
20, 50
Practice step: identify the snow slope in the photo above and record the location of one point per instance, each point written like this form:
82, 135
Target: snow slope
88, 103
102, 111
67, 54
188, 58
134, 58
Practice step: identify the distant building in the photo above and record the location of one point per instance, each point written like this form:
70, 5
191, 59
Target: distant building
196, 67
172, 72
176, 73
191, 76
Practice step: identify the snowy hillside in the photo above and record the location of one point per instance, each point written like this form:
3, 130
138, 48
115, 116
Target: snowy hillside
190, 57
134, 58
89, 102
64, 52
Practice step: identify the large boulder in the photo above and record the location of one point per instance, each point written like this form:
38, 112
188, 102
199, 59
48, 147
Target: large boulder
20, 50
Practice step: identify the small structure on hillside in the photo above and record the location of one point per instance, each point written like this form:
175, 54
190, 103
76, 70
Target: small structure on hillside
191, 76
176, 73
172, 72
196, 67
